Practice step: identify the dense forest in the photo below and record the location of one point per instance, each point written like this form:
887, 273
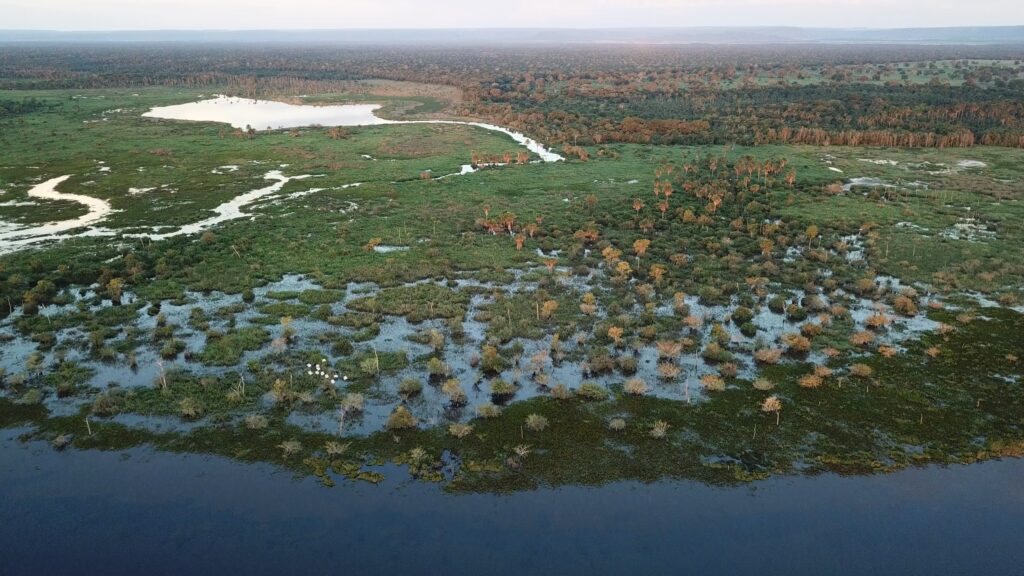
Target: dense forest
905, 96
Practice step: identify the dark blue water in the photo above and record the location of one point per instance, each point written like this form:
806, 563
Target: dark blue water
143, 512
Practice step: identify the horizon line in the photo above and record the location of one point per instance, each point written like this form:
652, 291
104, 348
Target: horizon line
524, 28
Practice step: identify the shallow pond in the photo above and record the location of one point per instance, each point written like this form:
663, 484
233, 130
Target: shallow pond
268, 114
141, 511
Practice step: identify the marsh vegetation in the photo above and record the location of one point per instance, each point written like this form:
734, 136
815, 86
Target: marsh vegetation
681, 304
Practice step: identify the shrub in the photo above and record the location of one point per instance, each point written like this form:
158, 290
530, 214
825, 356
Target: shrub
810, 381
861, 370
460, 430
401, 419
341, 347
627, 364
810, 329
491, 360
659, 429
437, 368
768, 355
536, 422
714, 352
668, 370
877, 321
502, 390
601, 363
763, 384
617, 424
256, 422
410, 387
796, 343
453, 389
635, 387
561, 392
33, 396
862, 338
592, 391
488, 410
712, 382
290, 447
669, 349
106, 404
772, 404
742, 315
353, 402
335, 448
190, 408
904, 305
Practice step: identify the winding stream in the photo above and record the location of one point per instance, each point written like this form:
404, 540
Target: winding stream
16, 238
240, 113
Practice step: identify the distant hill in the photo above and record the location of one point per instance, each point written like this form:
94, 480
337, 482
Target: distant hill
705, 35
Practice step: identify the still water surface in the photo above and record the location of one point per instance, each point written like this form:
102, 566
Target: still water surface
146, 512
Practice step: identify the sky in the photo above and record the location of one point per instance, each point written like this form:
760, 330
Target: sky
333, 14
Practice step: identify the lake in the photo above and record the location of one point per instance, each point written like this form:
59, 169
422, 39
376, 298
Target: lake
141, 511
